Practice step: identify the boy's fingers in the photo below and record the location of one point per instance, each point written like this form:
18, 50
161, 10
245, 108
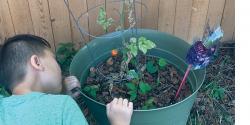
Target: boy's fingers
130, 105
72, 81
120, 101
125, 103
115, 101
69, 78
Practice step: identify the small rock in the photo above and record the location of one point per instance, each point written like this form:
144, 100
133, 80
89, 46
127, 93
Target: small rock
105, 93
92, 71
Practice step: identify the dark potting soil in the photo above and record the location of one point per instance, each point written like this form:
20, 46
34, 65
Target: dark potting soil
164, 83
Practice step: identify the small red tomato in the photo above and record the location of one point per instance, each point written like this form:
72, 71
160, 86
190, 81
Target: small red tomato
114, 52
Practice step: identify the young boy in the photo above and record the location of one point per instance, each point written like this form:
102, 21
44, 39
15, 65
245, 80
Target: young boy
29, 71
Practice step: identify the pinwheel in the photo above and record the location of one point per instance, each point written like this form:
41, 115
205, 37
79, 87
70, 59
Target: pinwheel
201, 53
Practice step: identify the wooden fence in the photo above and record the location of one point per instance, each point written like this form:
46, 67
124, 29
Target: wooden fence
51, 19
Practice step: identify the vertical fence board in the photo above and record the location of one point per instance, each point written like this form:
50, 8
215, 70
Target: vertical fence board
6, 24
78, 7
182, 18
1, 26
198, 19
215, 12
20, 13
60, 21
233, 37
1, 30
228, 20
150, 15
41, 20
166, 16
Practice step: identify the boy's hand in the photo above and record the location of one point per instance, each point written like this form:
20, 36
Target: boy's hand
119, 111
70, 83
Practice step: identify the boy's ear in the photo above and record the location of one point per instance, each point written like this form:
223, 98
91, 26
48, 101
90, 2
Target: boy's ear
36, 62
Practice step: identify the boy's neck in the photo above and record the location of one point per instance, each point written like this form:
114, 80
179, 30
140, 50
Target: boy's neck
22, 88
17, 91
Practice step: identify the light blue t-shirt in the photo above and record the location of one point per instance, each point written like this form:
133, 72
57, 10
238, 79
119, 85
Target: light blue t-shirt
37, 108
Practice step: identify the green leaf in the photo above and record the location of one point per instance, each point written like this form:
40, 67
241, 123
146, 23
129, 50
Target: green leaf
162, 62
144, 87
144, 107
131, 86
133, 61
124, 57
133, 95
132, 40
91, 90
144, 44
86, 89
148, 104
102, 19
149, 101
132, 74
96, 87
64, 55
218, 93
150, 67
93, 93
133, 49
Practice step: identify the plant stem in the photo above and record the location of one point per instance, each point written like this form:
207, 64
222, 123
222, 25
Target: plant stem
122, 17
183, 80
135, 17
106, 18
122, 20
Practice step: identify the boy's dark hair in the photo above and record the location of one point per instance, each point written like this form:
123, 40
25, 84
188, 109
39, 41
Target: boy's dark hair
14, 55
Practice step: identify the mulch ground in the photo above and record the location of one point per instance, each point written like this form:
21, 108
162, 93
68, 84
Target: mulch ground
215, 104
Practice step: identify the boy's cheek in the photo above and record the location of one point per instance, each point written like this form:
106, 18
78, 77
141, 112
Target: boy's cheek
58, 68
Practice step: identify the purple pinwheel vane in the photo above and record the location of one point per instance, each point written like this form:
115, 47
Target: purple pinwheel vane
201, 53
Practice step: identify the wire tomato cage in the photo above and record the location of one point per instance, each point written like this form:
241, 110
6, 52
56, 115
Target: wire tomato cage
131, 15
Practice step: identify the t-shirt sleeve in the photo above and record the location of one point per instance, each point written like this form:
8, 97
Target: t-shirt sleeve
72, 114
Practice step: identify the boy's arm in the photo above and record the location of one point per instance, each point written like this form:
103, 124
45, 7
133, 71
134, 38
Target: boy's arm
119, 111
72, 114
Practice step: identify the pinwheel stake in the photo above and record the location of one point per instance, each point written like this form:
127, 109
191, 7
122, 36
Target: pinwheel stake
200, 54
